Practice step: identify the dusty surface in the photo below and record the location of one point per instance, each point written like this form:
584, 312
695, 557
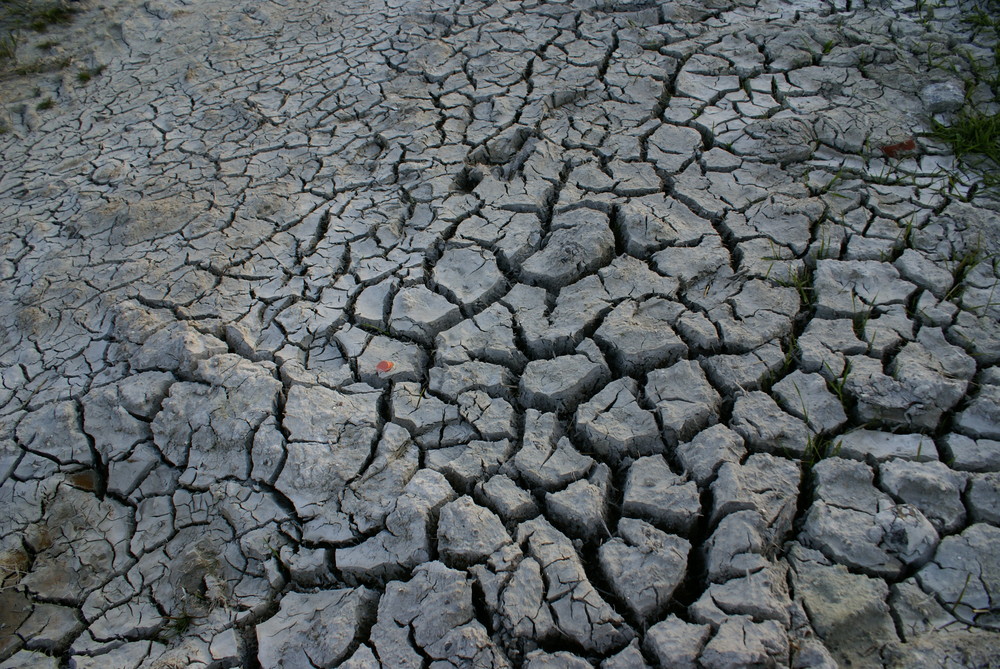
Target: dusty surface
498, 334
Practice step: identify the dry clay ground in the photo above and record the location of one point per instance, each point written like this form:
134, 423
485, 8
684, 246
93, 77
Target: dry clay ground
489, 334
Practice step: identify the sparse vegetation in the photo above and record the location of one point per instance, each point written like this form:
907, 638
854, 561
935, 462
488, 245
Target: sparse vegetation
47, 103
964, 264
8, 47
974, 133
967, 262
801, 281
37, 16
19, 16
176, 626
54, 14
787, 363
984, 18
860, 321
961, 595
83, 76
819, 447
819, 249
836, 385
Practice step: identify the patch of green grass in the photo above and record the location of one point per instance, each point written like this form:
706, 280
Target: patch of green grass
965, 262
801, 281
974, 137
837, 383
906, 237
47, 103
860, 321
83, 76
819, 447
971, 133
47, 45
41, 18
8, 47
823, 248
787, 363
36, 15
836, 178
982, 19
981, 71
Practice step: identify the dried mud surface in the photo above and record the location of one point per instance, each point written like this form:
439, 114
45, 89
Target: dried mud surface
497, 334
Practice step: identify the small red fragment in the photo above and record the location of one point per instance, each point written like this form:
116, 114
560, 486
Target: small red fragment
893, 150
384, 366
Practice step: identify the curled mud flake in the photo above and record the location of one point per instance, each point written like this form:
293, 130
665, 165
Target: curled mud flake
384, 366
895, 150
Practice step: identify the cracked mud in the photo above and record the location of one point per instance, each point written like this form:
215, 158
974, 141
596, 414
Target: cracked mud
498, 334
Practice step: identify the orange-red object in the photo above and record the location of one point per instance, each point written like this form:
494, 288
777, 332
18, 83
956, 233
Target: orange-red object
893, 150
384, 366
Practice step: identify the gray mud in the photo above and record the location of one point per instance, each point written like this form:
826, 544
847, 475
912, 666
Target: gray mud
498, 334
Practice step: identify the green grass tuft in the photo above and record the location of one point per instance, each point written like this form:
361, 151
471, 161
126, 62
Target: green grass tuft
40, 19
975, 138
801, 281
818, 448
33, 15
8, 47
47, 103
83, 76
982, 19
972, 133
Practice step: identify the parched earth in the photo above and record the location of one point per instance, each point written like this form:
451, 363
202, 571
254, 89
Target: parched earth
499, 334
